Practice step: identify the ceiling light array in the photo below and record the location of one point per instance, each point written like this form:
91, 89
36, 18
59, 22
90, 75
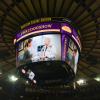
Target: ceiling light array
79, 82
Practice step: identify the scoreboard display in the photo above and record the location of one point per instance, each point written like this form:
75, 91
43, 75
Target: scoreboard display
45, 47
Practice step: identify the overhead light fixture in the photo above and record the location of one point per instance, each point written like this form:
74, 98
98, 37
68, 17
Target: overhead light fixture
27, 82
0, 72
81, 82
23, 71
74, 85
0, 88
13, 78
34, 81
97, 79
21, 96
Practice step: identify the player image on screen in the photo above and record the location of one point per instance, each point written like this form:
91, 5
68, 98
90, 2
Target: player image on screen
40, 48
48, 50
72, 55
28, 51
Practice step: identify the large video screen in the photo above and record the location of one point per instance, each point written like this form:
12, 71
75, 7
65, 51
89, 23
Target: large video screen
39, 48
70, 52
72, 55
48, 41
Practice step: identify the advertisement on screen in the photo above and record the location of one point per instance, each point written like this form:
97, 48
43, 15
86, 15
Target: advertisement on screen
69, 30
38, 28
64, 40
70, 52
39, 48
72, 55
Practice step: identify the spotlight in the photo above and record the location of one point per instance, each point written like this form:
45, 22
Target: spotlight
0, 72
0, 88
27, 82
34, 81
23, 71
21, 96
81, 82
13, 78
97, 79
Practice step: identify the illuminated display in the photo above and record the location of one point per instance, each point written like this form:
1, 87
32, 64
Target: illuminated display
50, 40
39, 48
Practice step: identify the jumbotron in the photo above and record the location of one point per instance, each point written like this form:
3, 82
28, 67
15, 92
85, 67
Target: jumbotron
47, 51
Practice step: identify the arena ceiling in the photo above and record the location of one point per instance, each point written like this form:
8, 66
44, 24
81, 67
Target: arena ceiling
84, 13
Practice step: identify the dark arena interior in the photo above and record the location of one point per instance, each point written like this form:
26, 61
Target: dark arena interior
49, 49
